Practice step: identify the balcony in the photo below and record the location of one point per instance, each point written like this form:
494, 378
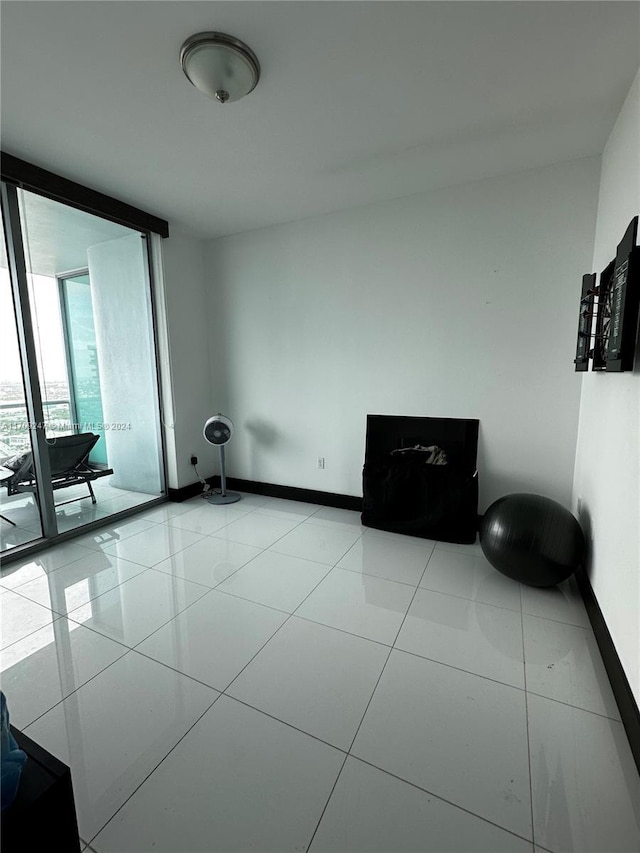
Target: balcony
15, 435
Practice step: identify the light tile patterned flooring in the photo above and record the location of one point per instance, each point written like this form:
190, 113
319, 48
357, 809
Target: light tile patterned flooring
272, 676
23, 512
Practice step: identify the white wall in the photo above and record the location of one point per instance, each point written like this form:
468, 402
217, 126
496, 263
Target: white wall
185, 361
607, 475
457, 303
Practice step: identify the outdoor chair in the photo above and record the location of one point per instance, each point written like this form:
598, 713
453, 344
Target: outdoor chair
69, 464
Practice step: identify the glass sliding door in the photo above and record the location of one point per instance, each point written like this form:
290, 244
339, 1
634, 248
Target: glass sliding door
82, 359
20, 518
89, 293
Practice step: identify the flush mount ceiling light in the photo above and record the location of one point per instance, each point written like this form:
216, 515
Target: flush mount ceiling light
219, 65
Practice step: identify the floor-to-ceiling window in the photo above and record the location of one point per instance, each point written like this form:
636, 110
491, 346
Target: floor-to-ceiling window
18, 524
78, 291
76, 306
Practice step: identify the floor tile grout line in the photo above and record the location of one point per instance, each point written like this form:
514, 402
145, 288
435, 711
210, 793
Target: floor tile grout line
126, 650
347, 754
175, 553
326, 805
433, 550
413, 597
249, 600
228, 696
168, 666
56, 618
413, 542
136, 649
290, 615
132, 648
295, 527
466, 598
365, 710
380, 577
336, 525
574, 707
341, 630
153, 770
440, 797
58, 615
46, 571
137, 517
66, 613
384, 666
285, 723
261, 711
458, 668
526, 719
587, 628
297, 557
557, 621
200, 532
268, 549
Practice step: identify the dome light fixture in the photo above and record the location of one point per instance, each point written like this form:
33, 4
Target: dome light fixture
220, 66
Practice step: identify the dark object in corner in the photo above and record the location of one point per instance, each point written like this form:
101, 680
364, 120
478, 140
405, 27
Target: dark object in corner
404, 495
43, 814
532, 539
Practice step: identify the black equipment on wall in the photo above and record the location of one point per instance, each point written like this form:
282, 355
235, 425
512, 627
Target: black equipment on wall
404, 495
625, 299
587, 302
615, 311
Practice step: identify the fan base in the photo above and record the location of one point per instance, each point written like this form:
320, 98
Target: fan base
217, 498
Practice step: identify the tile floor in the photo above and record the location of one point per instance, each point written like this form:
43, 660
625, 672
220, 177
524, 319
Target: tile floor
272, 676
23, 512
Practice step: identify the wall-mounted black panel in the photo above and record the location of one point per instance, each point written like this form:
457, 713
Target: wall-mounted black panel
583, 344
603, 319
625, 299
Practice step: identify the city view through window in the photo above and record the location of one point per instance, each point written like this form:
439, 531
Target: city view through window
52, 368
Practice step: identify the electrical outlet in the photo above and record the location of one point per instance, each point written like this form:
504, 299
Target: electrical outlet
321, 462
194, 460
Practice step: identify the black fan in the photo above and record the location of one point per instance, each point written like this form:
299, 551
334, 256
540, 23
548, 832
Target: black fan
218, 431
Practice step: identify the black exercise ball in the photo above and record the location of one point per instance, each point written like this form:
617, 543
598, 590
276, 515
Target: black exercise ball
532, 539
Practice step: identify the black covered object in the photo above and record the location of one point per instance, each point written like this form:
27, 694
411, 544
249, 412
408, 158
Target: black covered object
43, 814
404, 495
532, 539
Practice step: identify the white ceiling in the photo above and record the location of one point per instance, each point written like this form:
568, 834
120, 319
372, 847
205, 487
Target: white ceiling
57, 236
358, 101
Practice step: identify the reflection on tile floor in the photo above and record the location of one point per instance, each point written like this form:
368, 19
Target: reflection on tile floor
278, 677
23, 512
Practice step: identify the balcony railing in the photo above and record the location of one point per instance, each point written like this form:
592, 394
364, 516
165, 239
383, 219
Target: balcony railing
15, 432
